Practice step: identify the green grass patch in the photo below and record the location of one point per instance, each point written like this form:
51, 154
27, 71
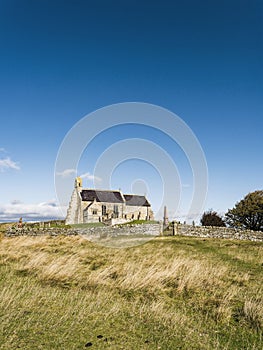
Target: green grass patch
139, 222
88, 225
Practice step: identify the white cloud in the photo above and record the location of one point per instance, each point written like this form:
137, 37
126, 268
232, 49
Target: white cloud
186, 185
31, 212
16, 201
7, 163
90, 177
67, 172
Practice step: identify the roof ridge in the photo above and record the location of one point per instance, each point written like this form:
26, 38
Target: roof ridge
98, 189
138, 195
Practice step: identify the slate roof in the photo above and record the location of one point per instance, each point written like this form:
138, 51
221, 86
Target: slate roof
102, 196
133, 199
113, 197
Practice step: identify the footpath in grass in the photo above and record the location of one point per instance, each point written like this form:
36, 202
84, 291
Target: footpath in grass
170, 293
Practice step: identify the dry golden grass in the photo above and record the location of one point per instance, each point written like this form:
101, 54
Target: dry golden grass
171, 293
94, 265
253, 310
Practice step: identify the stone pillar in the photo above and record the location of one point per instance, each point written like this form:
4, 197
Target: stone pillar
175, 228
165, 218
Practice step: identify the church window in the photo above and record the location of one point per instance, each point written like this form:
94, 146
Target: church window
116, 210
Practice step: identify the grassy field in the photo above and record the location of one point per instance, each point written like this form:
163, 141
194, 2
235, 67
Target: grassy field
170, 293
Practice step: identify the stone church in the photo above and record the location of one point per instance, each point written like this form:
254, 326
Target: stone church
90, 205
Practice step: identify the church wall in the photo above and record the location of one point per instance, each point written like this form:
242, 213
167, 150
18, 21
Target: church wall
92, 211
74, 210
135, 212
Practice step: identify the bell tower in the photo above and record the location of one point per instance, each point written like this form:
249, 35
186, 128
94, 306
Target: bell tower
78, 183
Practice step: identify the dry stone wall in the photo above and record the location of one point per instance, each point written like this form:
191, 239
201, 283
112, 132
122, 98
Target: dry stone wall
127, 230
14, 231
96, 232
217, 232
142, 229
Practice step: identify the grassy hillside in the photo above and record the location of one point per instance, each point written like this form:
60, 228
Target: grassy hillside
170, 293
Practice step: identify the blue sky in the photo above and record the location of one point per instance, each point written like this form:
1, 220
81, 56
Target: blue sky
61, 60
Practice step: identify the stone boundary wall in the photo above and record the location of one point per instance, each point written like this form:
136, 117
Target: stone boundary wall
142, 229
217, 232
13, 232
126, 230
94, 232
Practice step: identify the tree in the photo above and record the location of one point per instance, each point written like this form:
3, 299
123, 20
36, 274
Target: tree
211, 218
248, 213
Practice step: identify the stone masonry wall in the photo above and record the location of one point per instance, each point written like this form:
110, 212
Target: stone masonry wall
217, 232
113, 231
96, 232
143, 229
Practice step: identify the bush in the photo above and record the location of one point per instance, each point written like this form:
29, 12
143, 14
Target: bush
211, 218
248, 213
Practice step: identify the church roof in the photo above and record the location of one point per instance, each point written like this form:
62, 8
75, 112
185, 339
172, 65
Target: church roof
102, 196
136, 200
113, 197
